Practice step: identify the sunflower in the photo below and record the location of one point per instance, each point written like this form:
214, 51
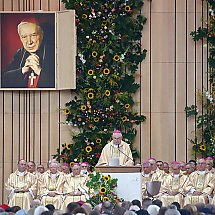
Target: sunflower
94, 54
102, 190
116, 57
88, 149
105, 199
84, 15
202, 147
71, 163
124, 118
127, 106
98, 140
107, 92
83, 107
90, 95
67, 146
106, 71
90, 72
127, 8
104, 23
96, 119
67, 111
106, 178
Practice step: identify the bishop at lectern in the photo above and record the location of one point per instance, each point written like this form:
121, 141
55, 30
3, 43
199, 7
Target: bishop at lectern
117, 152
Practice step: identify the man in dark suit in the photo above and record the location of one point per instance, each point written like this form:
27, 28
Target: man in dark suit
33, 65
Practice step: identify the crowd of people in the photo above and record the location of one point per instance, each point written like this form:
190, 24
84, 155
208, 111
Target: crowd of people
188, 186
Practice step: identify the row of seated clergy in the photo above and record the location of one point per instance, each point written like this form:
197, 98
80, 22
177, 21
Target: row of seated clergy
185, 189
51, 188
60, 190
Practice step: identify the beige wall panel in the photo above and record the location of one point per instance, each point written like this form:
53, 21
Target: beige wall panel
162, 49
162, 136
145, 88
145, 138
181, 139
193, 53
181, 37
180, 87
166, 6
162, 87
191, 84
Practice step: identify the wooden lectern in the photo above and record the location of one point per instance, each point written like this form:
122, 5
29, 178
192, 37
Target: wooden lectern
129, 185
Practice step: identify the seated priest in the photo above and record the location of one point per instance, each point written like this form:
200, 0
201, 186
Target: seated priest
200, 185
173, 187
75, 188
116, 149
21, 186
51, 185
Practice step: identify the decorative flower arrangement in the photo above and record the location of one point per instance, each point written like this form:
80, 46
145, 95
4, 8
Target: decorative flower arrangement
103, 188
109, 52
204, 141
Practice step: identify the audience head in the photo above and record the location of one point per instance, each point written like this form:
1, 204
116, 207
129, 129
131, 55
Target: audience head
87, 207
51, 207
178, 206
153, 209
191, 208
40, 209
119, 210
126, 205
71, 206
162, 210
146, 202
79, 210
107, 207
136, 202
157, 202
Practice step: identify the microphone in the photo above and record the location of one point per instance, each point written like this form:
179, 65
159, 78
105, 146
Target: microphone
123, 153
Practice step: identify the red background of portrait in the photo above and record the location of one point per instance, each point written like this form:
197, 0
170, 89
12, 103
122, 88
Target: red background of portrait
10, 41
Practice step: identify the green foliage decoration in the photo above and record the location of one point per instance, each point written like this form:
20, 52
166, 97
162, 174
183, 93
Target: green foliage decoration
103, 188
109, 53
204, 140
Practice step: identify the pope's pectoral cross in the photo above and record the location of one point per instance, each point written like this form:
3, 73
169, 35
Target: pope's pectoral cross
32, 77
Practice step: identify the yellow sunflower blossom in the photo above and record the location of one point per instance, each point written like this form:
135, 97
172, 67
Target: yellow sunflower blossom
94, 54
90, 95
104, 22
83, 107
202, 147
67, 146
67, 111
106, 178
96, 119
106, 71
88, 149
116, 57
98, 140
107, 92
127, 106
127, 8
105, 199
102, 190
84, 16
90, 72
124, 118
71, 163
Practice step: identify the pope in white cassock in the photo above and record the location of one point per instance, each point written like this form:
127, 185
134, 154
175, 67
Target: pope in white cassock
22, 186
117, 148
